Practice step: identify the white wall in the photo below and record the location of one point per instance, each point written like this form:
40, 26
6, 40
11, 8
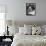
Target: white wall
17, 10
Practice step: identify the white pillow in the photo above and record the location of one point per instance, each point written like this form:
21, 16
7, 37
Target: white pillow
44, 27
28, 31
23, 30
27, 26
13, 30
36, 30
42, 30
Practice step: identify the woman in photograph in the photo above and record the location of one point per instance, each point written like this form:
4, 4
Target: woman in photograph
31, 10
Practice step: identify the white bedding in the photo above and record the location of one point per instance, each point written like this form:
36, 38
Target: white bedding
29, 40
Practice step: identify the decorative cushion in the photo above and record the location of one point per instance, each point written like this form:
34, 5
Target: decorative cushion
13, 30
28, 31
36, 30
44, 29
23, 30
28, 26
44, 26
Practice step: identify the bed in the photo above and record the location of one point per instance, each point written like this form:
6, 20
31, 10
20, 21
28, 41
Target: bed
20, 39
29, 40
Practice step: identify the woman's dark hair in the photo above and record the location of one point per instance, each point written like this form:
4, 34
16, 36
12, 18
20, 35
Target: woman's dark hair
32, 6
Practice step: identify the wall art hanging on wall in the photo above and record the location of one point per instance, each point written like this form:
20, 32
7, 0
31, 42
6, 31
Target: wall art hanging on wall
30, 9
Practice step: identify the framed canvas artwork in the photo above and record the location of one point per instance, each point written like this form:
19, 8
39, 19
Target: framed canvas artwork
30, 9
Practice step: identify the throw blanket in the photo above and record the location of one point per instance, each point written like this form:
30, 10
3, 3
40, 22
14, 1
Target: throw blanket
29, 40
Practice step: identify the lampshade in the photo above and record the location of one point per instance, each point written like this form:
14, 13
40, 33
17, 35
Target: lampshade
9, 22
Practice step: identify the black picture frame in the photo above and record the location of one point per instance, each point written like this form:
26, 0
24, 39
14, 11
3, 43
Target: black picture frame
30, 9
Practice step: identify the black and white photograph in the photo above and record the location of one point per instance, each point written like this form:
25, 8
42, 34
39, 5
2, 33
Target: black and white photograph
22, 23
30, 9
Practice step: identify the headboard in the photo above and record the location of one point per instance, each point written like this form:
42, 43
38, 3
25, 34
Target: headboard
21, 23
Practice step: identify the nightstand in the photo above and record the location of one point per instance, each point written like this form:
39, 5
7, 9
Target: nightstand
6, 40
